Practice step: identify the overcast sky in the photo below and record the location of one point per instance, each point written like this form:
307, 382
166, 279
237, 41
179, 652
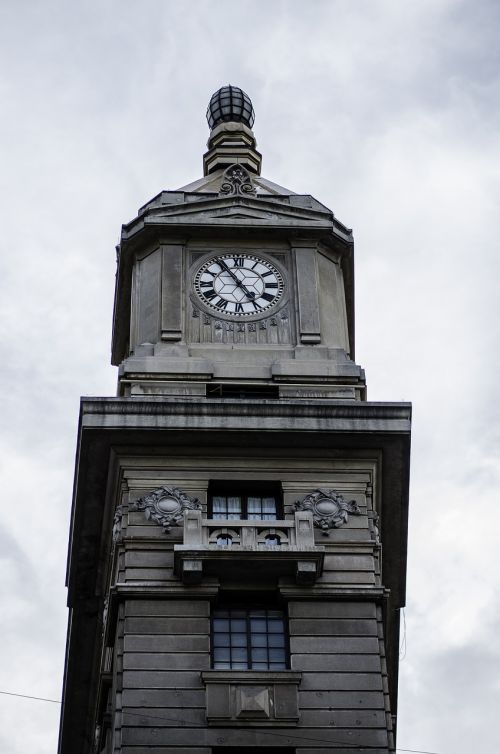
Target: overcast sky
387, 111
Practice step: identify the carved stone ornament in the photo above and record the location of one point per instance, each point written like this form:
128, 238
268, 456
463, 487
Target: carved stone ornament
117, 522
166, 506
237, 182
329, 509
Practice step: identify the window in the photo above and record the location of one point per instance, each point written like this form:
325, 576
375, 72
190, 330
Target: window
252, 750
253, 392
232, 500
249, 639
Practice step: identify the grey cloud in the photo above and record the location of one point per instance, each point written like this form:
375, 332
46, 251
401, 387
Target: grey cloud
385, 111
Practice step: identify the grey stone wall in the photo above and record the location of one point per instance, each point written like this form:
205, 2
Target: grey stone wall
162, 636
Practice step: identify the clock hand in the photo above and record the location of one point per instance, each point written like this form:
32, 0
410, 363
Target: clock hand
249, 294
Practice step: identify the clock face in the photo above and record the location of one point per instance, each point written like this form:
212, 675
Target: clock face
239, 285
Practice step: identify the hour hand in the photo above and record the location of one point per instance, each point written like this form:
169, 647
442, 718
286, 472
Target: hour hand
249, 294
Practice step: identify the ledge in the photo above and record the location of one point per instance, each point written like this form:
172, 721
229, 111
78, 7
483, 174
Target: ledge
251, 676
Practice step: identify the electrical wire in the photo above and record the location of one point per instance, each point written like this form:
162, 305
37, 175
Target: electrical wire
294, 736
402, 648
25, 696
178, 720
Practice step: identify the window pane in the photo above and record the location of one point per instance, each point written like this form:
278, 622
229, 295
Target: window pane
239, 654
261, 508
221, 654
276, 640
238, 625
234, 507
238, 640
221, 640
259, 640
277, 655
275, 626
269, 507
254, 507
221, 624
219, 507
259, 655
226, 507
258, 625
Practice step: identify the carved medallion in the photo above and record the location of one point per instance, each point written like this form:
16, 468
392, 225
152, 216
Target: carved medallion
237, 182
166, 506
330, 509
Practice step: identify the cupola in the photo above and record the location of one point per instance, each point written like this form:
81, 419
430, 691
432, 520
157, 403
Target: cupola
230, 116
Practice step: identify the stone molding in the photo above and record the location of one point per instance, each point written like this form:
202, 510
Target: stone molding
165, 506
330, 510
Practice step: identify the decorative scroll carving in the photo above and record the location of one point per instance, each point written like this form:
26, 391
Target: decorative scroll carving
330, 509
165, 506
237, 182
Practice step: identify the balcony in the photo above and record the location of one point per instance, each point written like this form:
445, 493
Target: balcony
236, 548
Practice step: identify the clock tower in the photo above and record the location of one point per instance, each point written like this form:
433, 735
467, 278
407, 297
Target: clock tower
238, 539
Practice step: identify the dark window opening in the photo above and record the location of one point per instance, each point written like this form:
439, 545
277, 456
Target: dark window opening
256, 392
236, 500
252, 749
249, 638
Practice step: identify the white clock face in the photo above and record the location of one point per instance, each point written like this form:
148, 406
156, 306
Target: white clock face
239, 285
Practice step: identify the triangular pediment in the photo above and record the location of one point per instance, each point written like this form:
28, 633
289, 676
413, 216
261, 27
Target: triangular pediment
239, 211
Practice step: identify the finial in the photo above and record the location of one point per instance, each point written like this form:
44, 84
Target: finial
230, 104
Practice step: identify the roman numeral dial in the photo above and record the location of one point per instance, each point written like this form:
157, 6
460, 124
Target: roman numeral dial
239, 285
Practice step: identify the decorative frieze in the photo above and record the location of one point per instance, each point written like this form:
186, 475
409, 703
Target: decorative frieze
329, 509
271, 330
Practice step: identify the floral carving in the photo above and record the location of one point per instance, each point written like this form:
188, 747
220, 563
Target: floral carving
330, 509
165, 506
237, 182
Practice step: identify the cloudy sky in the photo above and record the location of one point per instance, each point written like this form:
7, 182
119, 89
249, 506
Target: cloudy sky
385, 110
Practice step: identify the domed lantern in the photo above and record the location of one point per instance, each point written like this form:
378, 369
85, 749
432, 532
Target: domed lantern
230, 104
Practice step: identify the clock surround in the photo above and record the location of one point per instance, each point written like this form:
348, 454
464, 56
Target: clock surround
239, 285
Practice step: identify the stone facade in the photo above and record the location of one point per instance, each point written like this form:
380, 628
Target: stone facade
194, 631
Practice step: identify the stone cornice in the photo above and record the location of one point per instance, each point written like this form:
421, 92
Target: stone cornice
329, 415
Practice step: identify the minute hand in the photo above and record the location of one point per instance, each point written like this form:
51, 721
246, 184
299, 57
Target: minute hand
249, 294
